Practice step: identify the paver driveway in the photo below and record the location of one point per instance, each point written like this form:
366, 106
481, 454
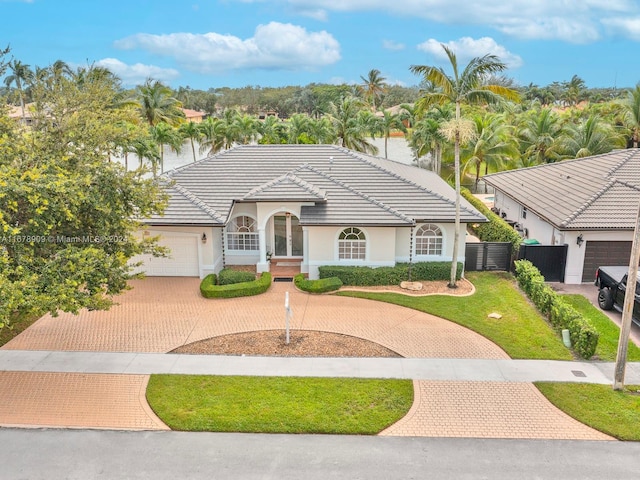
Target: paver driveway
160, 314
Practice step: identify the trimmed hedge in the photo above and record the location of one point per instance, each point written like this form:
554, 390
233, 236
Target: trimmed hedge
368, 276
228, 276
584, 337
209, 289
322, 285
496, 230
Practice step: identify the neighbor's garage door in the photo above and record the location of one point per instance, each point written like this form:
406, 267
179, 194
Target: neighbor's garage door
604, 253
182, 260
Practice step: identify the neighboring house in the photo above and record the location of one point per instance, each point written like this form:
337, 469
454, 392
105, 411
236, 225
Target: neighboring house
193, 115
310, 205
15, 112
590, 204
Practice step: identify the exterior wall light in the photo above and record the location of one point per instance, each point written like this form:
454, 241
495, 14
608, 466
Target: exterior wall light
204, 237
580, 240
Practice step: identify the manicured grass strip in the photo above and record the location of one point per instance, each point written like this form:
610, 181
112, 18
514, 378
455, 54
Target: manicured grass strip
599, 406
278, 404
521, 332
609, 332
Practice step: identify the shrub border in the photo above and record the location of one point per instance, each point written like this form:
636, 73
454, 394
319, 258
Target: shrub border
209, 289
323, 285
584, 336
372, 276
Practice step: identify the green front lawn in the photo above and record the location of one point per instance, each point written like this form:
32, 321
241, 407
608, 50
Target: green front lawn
521, 332
609, 331
599, 406
279, 404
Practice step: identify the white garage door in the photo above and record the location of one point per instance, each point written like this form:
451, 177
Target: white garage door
182, 260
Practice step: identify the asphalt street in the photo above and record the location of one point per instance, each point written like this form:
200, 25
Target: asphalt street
91, 454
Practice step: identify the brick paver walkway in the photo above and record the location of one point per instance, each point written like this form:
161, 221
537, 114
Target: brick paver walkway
160, 314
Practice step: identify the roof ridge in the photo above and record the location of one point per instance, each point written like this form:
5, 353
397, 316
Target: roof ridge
589, 202
624, 160
288, 176
197, 202
372, 200
410, 182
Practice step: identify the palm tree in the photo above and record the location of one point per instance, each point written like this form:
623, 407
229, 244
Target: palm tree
164, 134
146, 148
321, 131
191, 131
21, 75
213, 135
373, 87
631, 114
539, 136
272, 131
350, 131
464, 87
298, 125
157, 104
388, 123
492, 145
591, 137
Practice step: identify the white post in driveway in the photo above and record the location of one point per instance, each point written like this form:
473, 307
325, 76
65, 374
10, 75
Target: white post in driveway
262, 266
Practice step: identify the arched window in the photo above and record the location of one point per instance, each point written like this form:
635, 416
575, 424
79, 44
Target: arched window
242, 234
429, 240
352, 244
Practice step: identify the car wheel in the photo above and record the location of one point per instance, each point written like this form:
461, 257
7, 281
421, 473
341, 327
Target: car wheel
605, 299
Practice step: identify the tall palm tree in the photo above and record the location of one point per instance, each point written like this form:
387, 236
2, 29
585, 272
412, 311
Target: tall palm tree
493, 145
591, 137
213, 135
321, 131
539, 136
631, 114
388, 123
297, 126
146, 149
373, 87
350, 131
191, 131
21, 75
157, 103
164, 134
463, 87
272, 131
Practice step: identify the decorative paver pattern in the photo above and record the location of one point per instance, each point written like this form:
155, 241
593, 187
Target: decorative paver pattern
487, 410
76, 400
160, 314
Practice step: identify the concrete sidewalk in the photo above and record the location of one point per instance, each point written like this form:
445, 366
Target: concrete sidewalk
482, 370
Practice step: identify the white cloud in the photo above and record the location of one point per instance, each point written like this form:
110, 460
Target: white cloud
628, 27
137, 73
574, 21
467, 48
273, 46
392, 45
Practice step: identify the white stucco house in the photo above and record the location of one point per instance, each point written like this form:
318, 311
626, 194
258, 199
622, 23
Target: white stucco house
308, 205
590, 204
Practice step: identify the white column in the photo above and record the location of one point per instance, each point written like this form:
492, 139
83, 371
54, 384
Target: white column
262, 266
304, 268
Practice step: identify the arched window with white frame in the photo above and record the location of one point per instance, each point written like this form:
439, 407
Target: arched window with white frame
242, 234
352, 244
429, 240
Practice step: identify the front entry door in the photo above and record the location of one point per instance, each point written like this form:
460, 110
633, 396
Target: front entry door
287, 236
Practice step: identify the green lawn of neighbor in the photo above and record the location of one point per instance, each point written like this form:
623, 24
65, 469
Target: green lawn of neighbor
616, 413
609, 331
279, 404
521, 332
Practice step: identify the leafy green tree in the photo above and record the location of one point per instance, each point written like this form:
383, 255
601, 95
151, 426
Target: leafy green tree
68, 217
462, 87
157, 103
20, 76
190, 130
321, 131
298, 125
272, 131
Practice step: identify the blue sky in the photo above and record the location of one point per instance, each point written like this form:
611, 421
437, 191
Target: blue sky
234, 43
